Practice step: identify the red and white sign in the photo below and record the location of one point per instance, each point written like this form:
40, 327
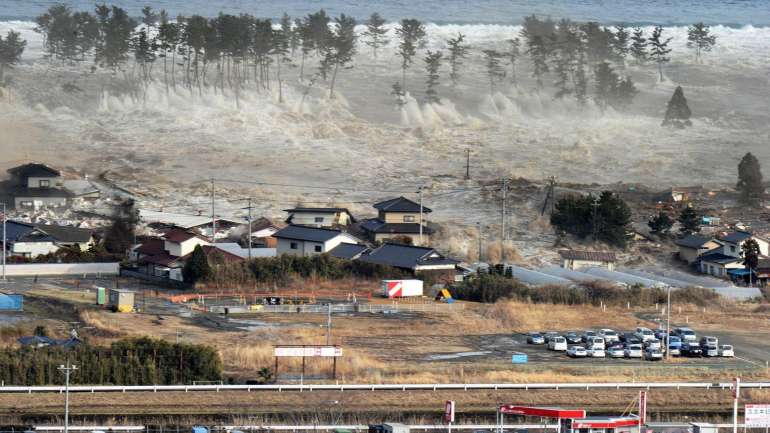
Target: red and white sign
307, 351
604, 423
449, 412
543, 412
757, 415
642, 408
401, 288
736, 388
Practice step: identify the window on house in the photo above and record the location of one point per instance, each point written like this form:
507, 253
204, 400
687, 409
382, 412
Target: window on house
44, 183
293, 245
318, 248
408, 218
26, 204
319, 219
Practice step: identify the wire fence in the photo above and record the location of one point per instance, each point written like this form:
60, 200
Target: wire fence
434, 307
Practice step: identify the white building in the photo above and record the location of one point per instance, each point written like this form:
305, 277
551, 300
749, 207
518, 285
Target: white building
576, 260
329, 217
309, 241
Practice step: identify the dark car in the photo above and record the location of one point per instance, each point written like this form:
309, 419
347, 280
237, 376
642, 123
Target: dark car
626, 336
573, 338
692, 350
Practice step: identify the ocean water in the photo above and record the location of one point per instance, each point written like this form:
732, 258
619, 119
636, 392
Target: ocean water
733, 13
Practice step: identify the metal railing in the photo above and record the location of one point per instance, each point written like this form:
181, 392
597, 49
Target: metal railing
385, 387
338, 308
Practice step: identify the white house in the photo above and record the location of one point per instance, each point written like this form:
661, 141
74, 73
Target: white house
576, 260
718, 264
180, 243
692, 247
320, 216
733, 243
308, 241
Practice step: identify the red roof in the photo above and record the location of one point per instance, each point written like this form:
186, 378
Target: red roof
151, 247
210, 250
160, 259
545, 412
179, 236
605, 422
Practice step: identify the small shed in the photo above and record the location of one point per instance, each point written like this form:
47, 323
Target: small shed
576, 260
122, 300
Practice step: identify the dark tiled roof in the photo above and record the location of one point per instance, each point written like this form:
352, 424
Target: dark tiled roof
211, 250
302, 233
735, 237
67, 234
693, 241
179, 236
163, 259
317, 210
594, 256
34, 170
151, 247
406, 256
376, 225
348, 251
23, 191
23, 232
400, 204
763, 264
719, 258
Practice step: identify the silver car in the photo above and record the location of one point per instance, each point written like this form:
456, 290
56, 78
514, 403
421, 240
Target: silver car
633, 351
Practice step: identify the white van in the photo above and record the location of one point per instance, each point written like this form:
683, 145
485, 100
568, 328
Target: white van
558, 344
595, 343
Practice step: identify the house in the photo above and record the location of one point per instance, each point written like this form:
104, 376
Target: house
308, 241
413, 259
196, 223
762, 272
26, 240
692, 247
236, 249
33, 186
181, 243
67, 236
576, 260
329, 217
682, 194
348, 251
733, 243
719, 264
398, 219
262, 231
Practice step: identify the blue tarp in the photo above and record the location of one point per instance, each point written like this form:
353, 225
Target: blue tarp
11, 302
739, 272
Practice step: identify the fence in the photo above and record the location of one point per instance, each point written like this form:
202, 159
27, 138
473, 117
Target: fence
159, 281
36, 269
435, 307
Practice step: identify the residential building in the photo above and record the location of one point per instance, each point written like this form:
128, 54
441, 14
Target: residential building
181, 243
413, 259
398, 219
34, 186
348, 251
26, 240
200, 224
718, 264
262, 231
576, 260
732, 243
308, 241
329, 217
68, 236
692, 247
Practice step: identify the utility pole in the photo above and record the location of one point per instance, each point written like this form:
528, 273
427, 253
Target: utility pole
478, 229
595, 205
668, 324
468, 163
329, 324
5, 217
67, 370
248, 237
420, 191
502, 222
736, 397
213, 215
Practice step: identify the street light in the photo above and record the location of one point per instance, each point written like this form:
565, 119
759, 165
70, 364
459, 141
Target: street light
67, 370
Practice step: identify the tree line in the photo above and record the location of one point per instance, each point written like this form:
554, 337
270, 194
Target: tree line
230, 51
136, 361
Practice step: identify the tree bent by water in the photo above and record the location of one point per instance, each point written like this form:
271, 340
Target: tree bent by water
11, 49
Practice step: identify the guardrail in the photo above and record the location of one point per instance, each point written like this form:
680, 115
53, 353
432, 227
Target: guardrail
276, 427
385, 387
434, 307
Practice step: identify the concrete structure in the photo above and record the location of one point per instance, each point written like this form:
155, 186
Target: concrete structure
309, 241
398, 220
576, 260
692, 247
328, 217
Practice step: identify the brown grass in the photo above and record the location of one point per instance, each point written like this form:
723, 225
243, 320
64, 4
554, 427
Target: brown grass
523, 317
98, 321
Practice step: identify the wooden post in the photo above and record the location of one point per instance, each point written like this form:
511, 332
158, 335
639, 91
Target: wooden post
275, 370
334, 368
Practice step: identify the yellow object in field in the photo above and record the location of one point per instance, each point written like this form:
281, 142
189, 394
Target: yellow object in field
445, 294
125, 309
255, 307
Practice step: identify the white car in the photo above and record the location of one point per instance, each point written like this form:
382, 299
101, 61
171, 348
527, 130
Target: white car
596, 353
609, 335
577, 352
633, 351
653, 354
726, 351
595, 343
557, 343
616, 352
644, 334
653, 344
710, 351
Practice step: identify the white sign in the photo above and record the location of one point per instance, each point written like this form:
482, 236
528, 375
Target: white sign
449, 412
307, 351
757, 415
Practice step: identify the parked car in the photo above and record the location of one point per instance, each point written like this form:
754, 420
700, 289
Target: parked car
675, 345
577, 352
587, 334
726, 350
686, 334
633, 351
709, 341
595, 352
644, 334
558, 343
691, 349
660, 334
624, 337
573, 338
651, 354
535, 338
609, 335
595, 343
653, 344
616, 352
710, 351
550, 335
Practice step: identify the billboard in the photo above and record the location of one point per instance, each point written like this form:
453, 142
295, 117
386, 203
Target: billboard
307, 351
757, 415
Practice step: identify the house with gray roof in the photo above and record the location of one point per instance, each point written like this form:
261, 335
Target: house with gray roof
732, 243
692, 247
400, 220
35, 185
308, 241
411, 258
329, 217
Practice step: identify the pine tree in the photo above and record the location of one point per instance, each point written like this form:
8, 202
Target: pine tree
168, 37
281, 41
750, 253
689, 221
750, 182
342, 46
376, 35
495, 71
638, 48
11, 49
458, 50
678, 112
432, 65
513, 54
700, 39
660, 49
660, 224
620, 47
411, 32
197, 267
606, 84
538, 52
